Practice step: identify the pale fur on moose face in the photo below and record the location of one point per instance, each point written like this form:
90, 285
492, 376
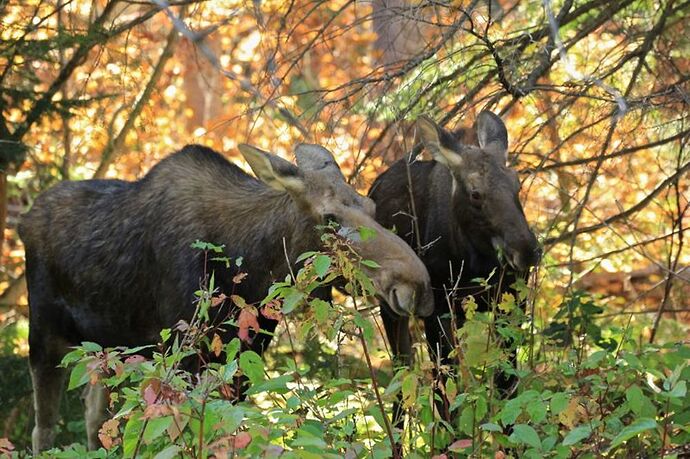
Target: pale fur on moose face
485, 191
319, 188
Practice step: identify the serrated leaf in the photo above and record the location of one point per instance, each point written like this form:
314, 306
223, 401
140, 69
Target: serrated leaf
89, 346
559, 402
577, 434
79, 376
155, 428
409, 390
321, 265
370, 263
633, 430
491, 427
635, 397
252, 366
168, 453
321, 309
525, 434
291, 300
366, 233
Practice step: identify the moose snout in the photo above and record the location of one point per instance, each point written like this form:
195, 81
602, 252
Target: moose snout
524, 257
406, 300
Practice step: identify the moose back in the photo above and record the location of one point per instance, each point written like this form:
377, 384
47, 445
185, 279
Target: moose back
111, 261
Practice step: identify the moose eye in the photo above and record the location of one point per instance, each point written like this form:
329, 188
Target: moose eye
475, 198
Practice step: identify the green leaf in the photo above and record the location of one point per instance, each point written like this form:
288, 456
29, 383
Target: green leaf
635, 398
252, 366
467, 420
409, 390
321, 265
370, 263
292, 300
88, 346
231, 349
559, 402
155, 428
168, 453
491, 427
633, 430
536, 410
321, 309
679, 390
165, 334
366, 233
130, 438
577, 434
276, 385
305, 255
510, 412
79, 376
525, 434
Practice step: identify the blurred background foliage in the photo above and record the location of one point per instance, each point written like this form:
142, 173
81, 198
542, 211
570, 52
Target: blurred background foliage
595, 95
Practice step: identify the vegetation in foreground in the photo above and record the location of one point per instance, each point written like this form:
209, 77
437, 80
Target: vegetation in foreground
586, 389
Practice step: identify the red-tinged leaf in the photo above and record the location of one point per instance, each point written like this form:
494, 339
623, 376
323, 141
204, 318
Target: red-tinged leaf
245, 321
459, 445
216, 344
239, 277
108, 433
218, 300
439, 456
157, 410
136, 358
6, 446
150, 394
272, 310
242, 439
499, 455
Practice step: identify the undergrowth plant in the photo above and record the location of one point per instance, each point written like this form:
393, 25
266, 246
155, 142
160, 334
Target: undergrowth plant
585, 389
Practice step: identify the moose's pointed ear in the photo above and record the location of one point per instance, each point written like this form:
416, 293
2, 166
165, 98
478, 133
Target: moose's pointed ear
311, 157
273, 170
437, 140
492, 134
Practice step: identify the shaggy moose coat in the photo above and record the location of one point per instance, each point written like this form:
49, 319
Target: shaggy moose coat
111, 261
457, 211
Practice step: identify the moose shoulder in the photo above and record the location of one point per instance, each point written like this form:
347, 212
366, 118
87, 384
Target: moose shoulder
458, 211
111, 261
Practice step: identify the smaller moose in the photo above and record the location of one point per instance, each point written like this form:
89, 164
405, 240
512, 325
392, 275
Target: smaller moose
458, 210
111, 262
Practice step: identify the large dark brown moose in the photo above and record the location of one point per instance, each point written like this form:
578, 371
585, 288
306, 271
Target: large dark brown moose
458, 211
110, 261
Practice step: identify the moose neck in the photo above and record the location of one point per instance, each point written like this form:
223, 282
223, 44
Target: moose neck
471, 240
271, 223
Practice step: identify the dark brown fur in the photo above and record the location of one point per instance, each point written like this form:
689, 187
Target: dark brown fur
111, 262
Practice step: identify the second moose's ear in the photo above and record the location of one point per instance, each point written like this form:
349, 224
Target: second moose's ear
273, 170
492, 135
438, 141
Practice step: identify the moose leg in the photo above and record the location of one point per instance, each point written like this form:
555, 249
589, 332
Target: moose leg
398, 333
48, 381
440, 343
96, 401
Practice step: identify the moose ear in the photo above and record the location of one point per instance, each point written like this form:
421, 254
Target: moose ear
438, 141
311, 157
492, 134
273, 170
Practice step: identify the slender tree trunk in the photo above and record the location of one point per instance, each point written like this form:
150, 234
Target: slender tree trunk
3, 209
